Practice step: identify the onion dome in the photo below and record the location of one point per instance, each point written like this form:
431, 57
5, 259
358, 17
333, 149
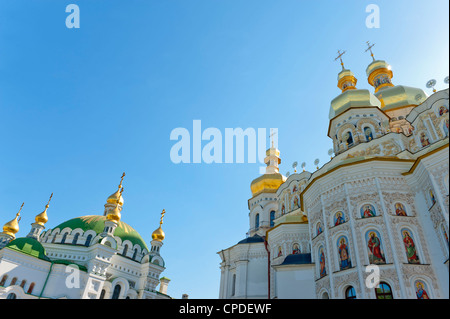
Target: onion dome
379, 75
114, 214
11, 228
272, 179
158, 234
117, 198
350, 96
42, 218
346, 80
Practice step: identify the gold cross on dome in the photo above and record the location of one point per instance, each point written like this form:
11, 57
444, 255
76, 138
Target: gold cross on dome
162, 216
121, 180
340, 58
370, 46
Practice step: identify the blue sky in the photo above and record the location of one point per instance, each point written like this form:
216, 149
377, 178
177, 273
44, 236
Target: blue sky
80, 106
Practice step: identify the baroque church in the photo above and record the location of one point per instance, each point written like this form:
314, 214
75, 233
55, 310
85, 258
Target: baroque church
372, 223
87, 257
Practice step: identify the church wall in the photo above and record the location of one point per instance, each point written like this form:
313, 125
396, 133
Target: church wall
381, 186
295, 282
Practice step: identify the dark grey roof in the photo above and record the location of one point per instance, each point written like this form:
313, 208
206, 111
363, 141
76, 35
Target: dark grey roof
254, 239
297, 259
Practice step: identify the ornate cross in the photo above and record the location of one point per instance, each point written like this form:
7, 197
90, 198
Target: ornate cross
370, 46
340, 58
162, 216
121, 180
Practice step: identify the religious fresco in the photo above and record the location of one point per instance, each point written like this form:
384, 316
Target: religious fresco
319, 229
400, 210
339, 218
348, 138
368, 134
424, 139
280, 251
296, 202
410, 247
432, 198
344, 253
375, 247
421, 290
444, 232
323, 270
296, 249
283, 210
442, 110
368, 210
294, 189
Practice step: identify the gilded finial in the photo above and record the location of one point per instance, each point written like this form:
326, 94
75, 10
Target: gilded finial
340, 58
121, 180
370, 46
117, 197
158, 234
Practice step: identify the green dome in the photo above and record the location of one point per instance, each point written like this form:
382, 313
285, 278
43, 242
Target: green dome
28, 246
97, 224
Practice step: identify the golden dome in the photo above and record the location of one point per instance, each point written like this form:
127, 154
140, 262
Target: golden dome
115, 198
158, 234
12, 227
42, 218
352, 98
267, 183
379, 74
346, 80
400, 96
114, 214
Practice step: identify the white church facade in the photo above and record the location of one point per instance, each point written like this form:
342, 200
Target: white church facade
88, 257
379, 206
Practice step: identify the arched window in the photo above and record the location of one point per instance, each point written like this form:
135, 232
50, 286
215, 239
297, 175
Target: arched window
2, 283
63, 240
54, 238
272, 218
30, 289
116, 292
233, 287
350, 293
135, 254
88, 240
102, 294
325, 295
11, 296
383, 291
125, 250
75, 238
13, 281
257, 221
